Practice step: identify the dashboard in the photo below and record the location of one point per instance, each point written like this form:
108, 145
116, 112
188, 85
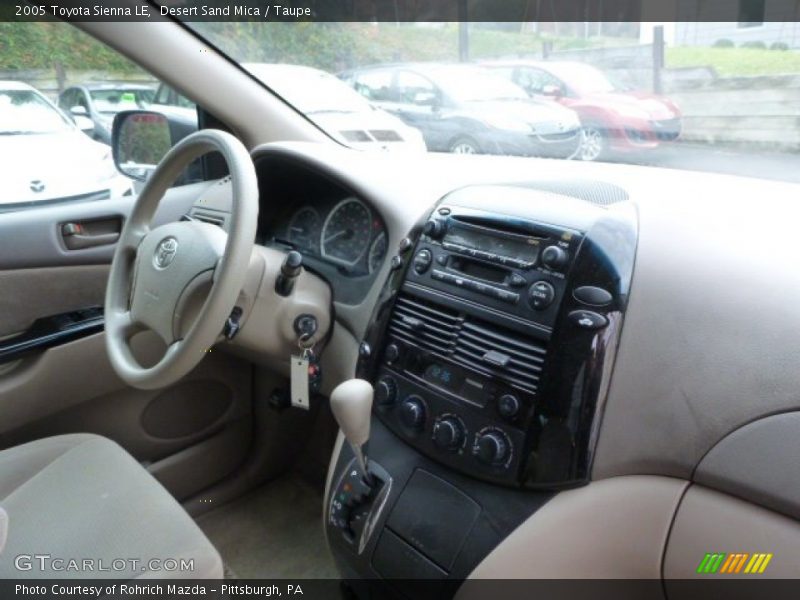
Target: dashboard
618, 343
341, 237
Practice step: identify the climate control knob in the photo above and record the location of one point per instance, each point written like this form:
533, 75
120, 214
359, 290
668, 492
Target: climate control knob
448, 433
385, 391
492, 447
412, 412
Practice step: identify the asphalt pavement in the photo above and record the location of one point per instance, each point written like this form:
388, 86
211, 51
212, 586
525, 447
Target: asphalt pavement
695, 157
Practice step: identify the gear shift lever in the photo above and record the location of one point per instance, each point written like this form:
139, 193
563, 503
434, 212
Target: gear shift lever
351, 403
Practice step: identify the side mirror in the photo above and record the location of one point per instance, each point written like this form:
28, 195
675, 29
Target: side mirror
78, 111
139, 140
554, 91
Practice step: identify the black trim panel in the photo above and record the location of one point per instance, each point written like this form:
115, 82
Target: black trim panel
554, 432
51, 331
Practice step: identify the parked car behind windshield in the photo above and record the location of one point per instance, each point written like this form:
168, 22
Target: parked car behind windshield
469, 110
614, 118
330, 104
336, 108
46, 157
101, 101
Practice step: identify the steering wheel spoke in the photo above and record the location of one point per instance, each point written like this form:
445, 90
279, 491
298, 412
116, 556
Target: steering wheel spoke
131, 239
129, 326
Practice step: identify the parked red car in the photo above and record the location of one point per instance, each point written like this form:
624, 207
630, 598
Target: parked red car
613, 118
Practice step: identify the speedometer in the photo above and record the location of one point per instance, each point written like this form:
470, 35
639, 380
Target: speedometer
377, 252
303, 229
346, 232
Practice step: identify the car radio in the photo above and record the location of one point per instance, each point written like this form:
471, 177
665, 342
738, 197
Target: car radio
517, 269
489, 351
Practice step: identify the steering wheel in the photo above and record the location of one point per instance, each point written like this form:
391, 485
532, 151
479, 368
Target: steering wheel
154, 271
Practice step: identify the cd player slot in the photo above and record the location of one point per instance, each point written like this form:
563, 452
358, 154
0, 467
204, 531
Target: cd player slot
503, 227
479, 270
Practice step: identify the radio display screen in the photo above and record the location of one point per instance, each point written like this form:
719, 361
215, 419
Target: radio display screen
456, 382
511, 245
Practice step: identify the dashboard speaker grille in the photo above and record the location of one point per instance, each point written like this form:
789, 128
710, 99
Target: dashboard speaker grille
472, 342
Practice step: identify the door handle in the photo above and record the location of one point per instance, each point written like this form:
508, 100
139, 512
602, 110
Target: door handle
88, 234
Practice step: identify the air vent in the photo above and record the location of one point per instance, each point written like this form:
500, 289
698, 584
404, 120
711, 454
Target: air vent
207, 218
485, 347
430, 327
500, 352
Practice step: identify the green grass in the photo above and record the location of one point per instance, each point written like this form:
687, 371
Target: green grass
38, 45
323, 45
730, 62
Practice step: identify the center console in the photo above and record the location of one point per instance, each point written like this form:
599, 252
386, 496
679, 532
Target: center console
490, 352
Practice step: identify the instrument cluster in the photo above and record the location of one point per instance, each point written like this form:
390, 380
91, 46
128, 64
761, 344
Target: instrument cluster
342, 232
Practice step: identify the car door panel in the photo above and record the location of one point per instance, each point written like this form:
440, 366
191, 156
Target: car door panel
29, 294
170, 430
190, 435
32, 237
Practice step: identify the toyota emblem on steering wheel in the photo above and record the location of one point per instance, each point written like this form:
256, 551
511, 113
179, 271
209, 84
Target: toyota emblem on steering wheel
165, 252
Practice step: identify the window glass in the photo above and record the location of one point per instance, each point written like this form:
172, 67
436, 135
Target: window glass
534, 81
375, 85
115, 100
24, 112
471, 84
52, 154
413, 88
163, 95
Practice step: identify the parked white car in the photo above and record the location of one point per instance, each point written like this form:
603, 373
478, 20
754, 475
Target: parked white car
46, 156
338, 109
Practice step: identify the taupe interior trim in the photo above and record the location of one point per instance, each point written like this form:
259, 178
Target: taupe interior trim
27, 394
759, 463
3, 528
32, 293
710, 521
611, 529
700, 354
268, 332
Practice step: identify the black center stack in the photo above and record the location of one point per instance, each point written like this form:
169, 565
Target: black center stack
490, 351
494, 343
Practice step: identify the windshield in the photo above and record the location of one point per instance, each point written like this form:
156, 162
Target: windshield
585, 78
466, 84
116, 100
687, 95
25, 112
309, 90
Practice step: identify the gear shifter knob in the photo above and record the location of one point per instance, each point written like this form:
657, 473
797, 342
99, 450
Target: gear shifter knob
351, 403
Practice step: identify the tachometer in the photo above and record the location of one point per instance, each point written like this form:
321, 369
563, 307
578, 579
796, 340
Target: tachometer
377, 252
346, 232
303, 230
